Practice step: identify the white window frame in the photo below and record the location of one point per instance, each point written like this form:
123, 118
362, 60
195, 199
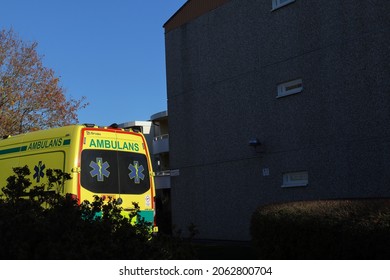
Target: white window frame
289, 88
295, 179
276, 4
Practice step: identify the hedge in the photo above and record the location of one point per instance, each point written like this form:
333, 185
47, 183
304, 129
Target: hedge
329, 229
39, 224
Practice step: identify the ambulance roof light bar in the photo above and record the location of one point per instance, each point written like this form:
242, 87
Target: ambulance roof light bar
89, 124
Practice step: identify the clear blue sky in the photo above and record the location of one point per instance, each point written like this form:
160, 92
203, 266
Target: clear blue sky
112, 52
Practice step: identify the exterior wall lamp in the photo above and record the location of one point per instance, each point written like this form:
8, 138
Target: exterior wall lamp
254, 142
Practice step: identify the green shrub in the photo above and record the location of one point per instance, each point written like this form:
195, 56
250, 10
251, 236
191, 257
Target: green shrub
331, 229
39, 223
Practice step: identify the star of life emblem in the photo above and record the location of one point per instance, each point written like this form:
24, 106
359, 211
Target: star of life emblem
99, 169
39, 171
136, 172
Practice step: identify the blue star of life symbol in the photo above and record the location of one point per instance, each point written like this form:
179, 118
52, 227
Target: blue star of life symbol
136, 172
99, 169
39, 171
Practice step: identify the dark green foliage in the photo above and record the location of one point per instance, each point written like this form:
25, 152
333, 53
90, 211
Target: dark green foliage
338, 229
39, 223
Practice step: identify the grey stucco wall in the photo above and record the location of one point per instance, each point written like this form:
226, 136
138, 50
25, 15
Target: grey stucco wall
222, 72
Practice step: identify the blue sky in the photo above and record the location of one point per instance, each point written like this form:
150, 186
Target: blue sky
111, 52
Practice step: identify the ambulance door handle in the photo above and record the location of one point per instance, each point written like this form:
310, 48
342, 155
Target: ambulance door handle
76, 170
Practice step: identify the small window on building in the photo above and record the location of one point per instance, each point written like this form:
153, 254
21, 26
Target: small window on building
288, 88
276, 4
295, 179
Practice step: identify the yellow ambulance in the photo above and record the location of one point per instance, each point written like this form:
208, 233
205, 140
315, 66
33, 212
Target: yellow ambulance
103, 161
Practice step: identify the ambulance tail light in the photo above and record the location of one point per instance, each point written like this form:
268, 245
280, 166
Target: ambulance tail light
155, 226
72, 197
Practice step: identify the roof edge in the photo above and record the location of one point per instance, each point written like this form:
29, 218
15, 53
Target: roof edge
174, 15
191, 10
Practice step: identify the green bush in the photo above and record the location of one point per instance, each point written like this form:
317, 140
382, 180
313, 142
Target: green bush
331, 229
39, 223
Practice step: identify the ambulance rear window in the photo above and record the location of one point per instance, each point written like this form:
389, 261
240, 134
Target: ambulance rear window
114, 172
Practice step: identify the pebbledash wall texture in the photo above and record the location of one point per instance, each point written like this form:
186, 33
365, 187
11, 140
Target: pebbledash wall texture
308, 79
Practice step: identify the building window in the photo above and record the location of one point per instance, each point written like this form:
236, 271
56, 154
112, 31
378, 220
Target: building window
276, 4
295, 179
288, 88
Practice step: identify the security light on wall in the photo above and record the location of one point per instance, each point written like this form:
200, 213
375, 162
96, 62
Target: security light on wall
254, 142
